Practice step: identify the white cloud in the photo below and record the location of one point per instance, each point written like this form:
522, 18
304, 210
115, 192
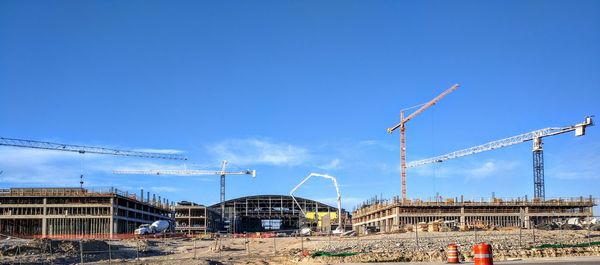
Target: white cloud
379, 144
575, 164
255, 151
484, 170
479, 170
109, 166
334, 164
38, 167
29, 167
159, 151
162, 189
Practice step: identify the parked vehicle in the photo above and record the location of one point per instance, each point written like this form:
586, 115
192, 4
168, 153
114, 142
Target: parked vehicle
154, 228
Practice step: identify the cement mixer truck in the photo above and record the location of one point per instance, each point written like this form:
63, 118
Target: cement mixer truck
154, 228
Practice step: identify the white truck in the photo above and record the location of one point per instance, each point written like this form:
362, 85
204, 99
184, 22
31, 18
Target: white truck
154, 228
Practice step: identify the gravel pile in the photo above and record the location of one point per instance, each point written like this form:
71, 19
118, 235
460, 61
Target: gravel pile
431, 247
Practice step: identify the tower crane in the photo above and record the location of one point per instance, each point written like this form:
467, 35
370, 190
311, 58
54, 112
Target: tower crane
538, 154
402, 127
187, 172
84, 149
81, 149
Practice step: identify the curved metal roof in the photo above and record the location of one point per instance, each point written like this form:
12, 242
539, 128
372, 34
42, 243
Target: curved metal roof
266, 196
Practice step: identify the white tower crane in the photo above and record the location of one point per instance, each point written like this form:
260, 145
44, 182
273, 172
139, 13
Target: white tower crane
81, 149
538, 155
84, 149
187, 172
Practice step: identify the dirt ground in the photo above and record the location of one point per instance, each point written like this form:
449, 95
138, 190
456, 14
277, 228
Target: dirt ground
422, 247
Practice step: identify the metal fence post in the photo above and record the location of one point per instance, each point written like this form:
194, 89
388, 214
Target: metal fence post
274, 245
520, 236
194, 248
589, 235
533, 233
302, 242
416, 237
247, 246
109, 255
81, 251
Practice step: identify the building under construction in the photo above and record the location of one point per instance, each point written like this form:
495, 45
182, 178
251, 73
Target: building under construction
76, 212
273, 213
192, 218
393, 215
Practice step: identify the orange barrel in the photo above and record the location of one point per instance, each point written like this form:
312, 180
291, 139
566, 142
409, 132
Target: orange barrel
452, 253
483, 254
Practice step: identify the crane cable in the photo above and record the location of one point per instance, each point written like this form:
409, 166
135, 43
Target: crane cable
433, 153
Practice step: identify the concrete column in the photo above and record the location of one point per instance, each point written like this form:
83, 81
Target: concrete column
396, 223
113, 227
526, 219
462, 214
44, 219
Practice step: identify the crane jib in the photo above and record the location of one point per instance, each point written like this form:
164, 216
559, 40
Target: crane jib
546, 132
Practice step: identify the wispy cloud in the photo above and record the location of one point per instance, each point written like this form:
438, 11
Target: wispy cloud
159, 151
38, 167
490, 168
109, 166
258, 151
379, 144
162, 189
29, 167
575, 164
477, 170
334, 164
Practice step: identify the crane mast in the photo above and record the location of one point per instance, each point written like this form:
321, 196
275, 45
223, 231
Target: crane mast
538, 155
402, 127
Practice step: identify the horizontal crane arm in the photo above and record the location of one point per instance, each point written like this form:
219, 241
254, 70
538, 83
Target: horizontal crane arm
504, 142
183, 172
84, 149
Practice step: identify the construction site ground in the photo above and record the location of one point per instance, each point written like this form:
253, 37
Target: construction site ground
524, 245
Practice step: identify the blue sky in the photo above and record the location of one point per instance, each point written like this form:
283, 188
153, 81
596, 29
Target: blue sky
292, 87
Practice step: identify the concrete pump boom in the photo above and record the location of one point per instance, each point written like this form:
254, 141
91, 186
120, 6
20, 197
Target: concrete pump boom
337, 190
